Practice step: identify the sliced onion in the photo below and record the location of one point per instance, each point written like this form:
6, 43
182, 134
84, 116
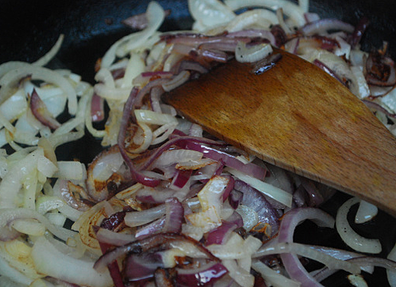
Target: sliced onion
10, 79
209, 13
291, 9
252, 169
50, 261
349, 236
141, 266
137, 175
211, 204
150, 117
256, 17
220, 234
306, 251
206, 274
240, 275
366, 212
272, 276
101, 170
177, 81
12, 182
174, 215
162, 240
392, 273
252, 54
267, 189
289, 222
138, 218
324, 25
8, 215
41, 112
51, 53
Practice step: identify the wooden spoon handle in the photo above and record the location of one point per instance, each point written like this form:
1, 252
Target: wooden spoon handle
299, 118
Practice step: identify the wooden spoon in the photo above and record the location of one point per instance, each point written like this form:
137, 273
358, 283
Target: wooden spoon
297, 117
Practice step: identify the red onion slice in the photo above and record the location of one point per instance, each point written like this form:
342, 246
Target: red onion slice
41, 112
289, 222
171, 222
127, 113
97, 108
329, 71
358, 32
220, 234
161, 241
141, 266
257, 201
209, 152
174, 215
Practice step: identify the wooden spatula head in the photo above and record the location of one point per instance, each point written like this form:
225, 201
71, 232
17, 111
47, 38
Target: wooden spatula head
299, 118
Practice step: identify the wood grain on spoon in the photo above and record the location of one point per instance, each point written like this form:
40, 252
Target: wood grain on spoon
299, 118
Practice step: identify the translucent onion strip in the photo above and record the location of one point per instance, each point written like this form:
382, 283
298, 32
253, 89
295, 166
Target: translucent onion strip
269, 190
271, 276
258, 52
351, 237
10, 79
306, 251
51, 53
51, 262
292, 10
7, 215
257, 17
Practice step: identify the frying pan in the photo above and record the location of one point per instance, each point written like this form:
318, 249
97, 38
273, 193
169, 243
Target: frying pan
28, 29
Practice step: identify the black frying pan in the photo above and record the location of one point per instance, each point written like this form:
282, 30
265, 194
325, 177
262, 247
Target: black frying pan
29, 28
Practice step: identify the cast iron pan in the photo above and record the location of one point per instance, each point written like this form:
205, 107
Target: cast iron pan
29, 28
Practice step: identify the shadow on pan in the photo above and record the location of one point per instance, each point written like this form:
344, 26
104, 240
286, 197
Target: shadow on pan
28, 29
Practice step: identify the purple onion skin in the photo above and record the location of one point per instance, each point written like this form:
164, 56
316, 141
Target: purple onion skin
256, 200
141, 266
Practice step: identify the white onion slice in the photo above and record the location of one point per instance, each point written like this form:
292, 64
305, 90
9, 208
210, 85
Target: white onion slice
155, 15
274, 278
71, 170
209, 13
351, 237
11, 78
154, 118
308, 252
269, 190
51, 53
240, 275
366, 212
244, 54
12, 182
391, 274
249, 216
9, 214
16, 278
291, 9
134, 68
13, 106
104, 76
171, 157
256, 18
52, 262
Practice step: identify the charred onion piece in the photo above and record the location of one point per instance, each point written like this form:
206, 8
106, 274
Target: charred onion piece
156, 241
